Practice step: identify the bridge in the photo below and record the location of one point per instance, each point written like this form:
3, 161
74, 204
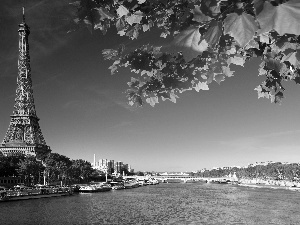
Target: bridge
183, 178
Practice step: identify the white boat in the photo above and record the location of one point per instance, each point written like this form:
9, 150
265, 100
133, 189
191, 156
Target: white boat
131, 184
142, 183
152, 181
117, 185
95, 187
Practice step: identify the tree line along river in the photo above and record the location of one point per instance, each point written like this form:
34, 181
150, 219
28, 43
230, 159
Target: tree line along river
173, 203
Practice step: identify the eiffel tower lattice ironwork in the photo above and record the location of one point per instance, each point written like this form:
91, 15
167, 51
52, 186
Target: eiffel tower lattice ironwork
24, 134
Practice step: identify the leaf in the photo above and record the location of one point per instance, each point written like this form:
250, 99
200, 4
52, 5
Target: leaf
122, 11
212, 36
199, 16
231, 51
261, 93
146, 27
109, 53
173, 97
283, 18
293, 58
152, 100
278, 97
187, 41
298, 54
114, 67
219, 78
261, 70
241, 27
135, 18
236, 60
120, 24
122, 32
226, 70
88, 24
258, 6
211, 6
104, 13
201, 86
211, 76
252, 44
132, 33
272, 64
264, 38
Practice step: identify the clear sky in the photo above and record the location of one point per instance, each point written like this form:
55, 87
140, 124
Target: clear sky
84, 111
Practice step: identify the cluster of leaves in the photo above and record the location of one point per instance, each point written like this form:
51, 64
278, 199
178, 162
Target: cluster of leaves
9, 165
56, 167
208, 36
30, 168
61, 168
273, 171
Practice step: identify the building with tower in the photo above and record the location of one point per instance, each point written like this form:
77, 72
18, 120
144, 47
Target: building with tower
24, 135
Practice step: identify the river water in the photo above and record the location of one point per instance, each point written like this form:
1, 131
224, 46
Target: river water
176, 203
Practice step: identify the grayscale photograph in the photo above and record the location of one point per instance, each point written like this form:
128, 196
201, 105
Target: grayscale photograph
149, 112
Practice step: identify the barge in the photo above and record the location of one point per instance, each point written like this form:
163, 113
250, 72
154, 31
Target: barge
25, 193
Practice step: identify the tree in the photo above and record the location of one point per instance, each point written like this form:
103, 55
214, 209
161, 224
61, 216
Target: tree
81, 170
207, 38
139, 173
271, 171
9, 164
30, 168
57, 167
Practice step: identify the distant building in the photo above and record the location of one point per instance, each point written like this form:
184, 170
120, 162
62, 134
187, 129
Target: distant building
226, 168
260, 163
110, 166
103, 162
118, 167
216, 168
101, 165
125, 167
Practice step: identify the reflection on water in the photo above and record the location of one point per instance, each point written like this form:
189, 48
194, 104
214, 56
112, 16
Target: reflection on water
179, 203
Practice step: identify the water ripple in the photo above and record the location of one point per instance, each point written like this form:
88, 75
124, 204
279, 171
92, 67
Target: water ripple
184, 204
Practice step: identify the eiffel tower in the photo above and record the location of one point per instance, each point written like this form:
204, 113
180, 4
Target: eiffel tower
24, 135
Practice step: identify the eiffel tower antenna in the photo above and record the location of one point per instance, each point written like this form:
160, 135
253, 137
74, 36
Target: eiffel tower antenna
24, 134
23, 14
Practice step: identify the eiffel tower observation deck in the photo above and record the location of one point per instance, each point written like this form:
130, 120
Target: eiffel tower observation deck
24, 135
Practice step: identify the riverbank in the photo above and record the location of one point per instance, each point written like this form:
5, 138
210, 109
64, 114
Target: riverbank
274, 184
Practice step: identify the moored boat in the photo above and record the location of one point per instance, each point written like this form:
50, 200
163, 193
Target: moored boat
142, 183
26, 193
130, 184
153, 181
95, 187
117, 186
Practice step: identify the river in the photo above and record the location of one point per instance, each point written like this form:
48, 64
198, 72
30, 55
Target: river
176, 203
